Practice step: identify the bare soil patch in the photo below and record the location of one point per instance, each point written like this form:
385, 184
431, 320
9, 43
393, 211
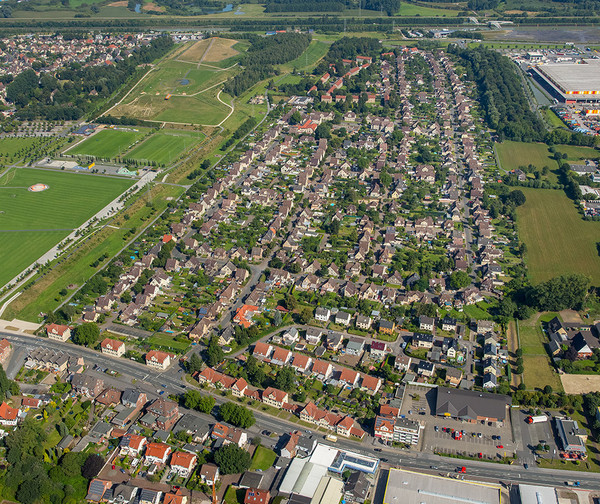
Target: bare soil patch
571, 316
195, 52
220, 50
121, 3
580, 384
153, 7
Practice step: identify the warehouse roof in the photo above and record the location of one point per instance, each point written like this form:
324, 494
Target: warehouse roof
574, 77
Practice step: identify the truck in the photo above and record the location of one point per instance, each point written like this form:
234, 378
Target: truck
572, 483
331, 437
536, 419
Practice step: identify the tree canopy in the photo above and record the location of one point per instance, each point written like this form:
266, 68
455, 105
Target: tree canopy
237, 415
232, 459
86, 334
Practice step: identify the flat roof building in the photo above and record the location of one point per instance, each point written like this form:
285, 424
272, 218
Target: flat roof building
535, 494
470, 405
572, 81
414, 488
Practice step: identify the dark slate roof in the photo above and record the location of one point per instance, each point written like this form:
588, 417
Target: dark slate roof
470, 405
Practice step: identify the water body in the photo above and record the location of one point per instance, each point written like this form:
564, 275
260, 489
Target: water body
227, 8
138, 8
184, 82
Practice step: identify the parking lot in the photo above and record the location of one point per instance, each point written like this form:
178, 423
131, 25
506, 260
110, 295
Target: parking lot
478, 438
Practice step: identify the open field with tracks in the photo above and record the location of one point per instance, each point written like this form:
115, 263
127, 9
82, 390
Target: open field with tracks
184, 89
558, 240
31, 223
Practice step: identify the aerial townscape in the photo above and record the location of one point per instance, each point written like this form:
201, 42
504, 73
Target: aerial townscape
299, 252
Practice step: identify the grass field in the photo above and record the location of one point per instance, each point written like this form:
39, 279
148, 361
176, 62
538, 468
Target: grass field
165, 146
515, 154
310, 57
558, 240
263, 459
31, 223
166, 342
538, 370
108, 143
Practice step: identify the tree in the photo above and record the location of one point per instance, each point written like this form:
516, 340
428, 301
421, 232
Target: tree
277, 318
194, 363
92, 466
290, 302
70, 463
29, 491
305, 315
237, 415
86, 334
323, 131
285, 380
517, 197
232, 459
214, 353
459, 280
193, 399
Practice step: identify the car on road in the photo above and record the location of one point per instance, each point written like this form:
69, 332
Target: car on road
480, 455
500, 446
434, 467
479, 435
436, 428
377, 449
525, 466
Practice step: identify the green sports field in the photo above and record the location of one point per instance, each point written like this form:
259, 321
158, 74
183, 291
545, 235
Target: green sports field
558, 240
108, 143
165, 146
32, 223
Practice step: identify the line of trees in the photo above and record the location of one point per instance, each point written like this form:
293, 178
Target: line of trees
501, 94
262, 55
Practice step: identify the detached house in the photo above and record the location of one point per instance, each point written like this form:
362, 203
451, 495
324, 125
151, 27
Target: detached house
157, 453
58, 332
112, 347
158, 360
378, 350
183, 463
8, 416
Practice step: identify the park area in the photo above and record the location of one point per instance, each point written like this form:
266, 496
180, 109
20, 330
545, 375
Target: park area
185, 88
31, 223
558, 240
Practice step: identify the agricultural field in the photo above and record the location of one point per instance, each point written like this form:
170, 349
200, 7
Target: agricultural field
212, 50
165, 146
515, 154
108, 143
558, 240
33, 222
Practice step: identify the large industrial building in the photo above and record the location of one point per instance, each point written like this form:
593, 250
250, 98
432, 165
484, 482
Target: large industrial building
409, 487
571, 82
471, 406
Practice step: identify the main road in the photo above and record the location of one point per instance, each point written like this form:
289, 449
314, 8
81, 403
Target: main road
172, 381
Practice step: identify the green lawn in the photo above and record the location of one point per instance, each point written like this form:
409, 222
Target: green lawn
515, 154
558, 240
166, 342
31, 223
108, 143
410, 10
200, 109
165, 146
263, 459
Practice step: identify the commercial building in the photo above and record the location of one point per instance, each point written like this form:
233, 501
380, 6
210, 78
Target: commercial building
572, 438
572, 82
471, 406
535, 494
414, 488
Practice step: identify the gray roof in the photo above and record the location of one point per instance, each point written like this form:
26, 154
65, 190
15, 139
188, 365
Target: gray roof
251, 479
471, 405
192, 424
130, 396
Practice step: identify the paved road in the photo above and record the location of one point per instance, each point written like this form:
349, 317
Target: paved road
172, 382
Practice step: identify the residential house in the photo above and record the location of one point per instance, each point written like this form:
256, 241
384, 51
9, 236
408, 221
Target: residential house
158, 360
378, 350
183, 463
87, 385
256, 496
157, 453
112, 347
275, 397
426, 368
322, 314
426, 323
387, 327
355, 346
58, 332
209, 473
131, 445
8, 416
343, 318
363, 322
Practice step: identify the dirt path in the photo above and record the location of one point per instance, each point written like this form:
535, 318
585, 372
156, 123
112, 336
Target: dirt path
513, 344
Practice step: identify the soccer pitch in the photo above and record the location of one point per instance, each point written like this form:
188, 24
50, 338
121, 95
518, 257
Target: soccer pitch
165, 146
33, 222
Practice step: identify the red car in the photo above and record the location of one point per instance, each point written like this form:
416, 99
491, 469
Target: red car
500, 446
480, 455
